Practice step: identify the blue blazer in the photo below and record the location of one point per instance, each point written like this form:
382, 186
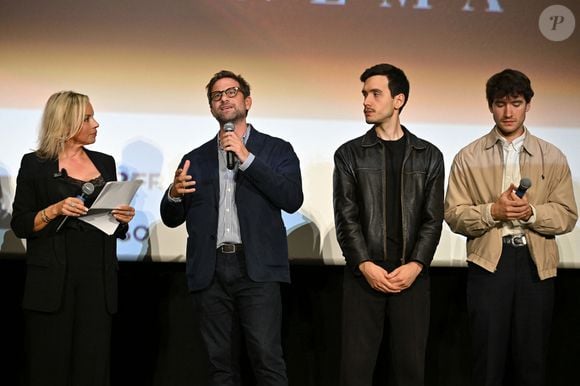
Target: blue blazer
272, 183
38, 185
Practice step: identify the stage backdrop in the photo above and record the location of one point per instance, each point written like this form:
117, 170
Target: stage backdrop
145, 64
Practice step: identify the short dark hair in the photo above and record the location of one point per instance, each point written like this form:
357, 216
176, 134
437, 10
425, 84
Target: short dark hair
398, 82
508, 83
244, 86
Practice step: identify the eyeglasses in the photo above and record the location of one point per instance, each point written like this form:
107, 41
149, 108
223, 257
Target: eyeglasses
230, 92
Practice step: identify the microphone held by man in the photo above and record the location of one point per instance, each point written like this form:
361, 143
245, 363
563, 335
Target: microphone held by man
525, 184
230, 156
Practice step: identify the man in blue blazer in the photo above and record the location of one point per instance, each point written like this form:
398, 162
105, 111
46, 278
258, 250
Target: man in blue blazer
230, 193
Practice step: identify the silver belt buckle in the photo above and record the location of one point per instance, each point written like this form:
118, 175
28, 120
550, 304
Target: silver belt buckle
516, 240
228, 248
519, 240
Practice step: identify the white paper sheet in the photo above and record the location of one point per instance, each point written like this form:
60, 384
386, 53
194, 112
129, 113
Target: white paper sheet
114, 193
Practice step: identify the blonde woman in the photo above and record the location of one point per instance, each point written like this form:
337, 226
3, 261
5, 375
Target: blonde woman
71, 283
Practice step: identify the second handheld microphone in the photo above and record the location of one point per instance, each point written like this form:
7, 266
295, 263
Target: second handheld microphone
525, 184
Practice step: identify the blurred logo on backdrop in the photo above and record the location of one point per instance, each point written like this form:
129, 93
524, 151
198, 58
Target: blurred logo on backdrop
141, 160
557, 23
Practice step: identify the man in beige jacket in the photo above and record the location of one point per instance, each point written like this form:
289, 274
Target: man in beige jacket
511, 248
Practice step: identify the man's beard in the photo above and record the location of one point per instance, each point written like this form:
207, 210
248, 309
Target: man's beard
232, 116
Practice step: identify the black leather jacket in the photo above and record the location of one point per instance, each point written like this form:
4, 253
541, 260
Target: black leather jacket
359, 199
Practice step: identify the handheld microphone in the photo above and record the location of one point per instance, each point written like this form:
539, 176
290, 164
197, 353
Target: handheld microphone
230, 156
525, 184
87, 189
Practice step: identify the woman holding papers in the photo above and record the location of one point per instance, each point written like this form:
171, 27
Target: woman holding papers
71, 282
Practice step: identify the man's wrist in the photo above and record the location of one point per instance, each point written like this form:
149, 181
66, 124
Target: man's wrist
532, 218
361, 266
417, 264
170, 197
488, 216
247, 162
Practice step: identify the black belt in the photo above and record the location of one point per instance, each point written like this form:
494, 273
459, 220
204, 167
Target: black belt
515, 240
230, 248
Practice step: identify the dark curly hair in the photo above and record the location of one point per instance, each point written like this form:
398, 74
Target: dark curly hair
508, 83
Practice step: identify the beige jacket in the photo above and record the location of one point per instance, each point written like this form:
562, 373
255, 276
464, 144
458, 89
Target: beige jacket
475, 182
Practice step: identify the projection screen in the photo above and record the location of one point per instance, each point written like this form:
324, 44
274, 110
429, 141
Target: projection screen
145, 64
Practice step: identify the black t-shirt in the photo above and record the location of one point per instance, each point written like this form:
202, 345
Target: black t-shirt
394, 155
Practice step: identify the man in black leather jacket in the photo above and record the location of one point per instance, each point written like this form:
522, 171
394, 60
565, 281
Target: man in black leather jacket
388, 209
